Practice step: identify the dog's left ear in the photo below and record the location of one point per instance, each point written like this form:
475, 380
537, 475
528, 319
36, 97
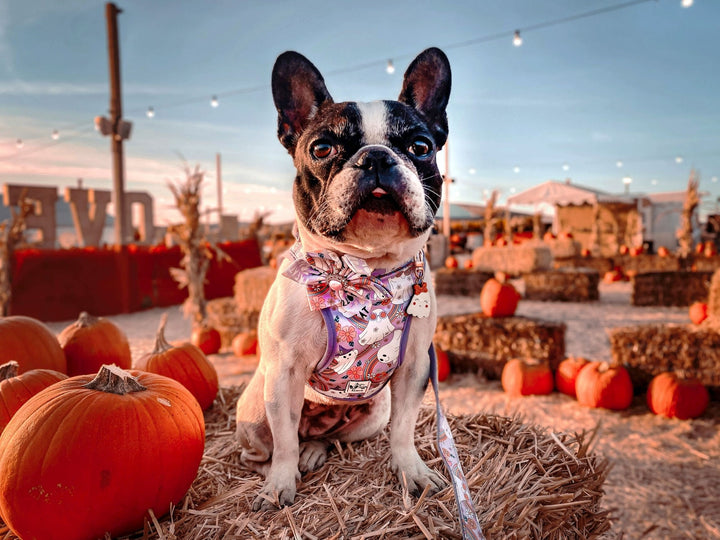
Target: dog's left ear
298, 90
426, 87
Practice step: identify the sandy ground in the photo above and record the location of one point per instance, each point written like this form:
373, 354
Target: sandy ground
665, 477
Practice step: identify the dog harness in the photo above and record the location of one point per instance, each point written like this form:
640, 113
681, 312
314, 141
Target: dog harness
367, 315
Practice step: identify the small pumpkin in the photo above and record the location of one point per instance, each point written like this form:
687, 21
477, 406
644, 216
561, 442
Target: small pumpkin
710, 249
468, 264
673, 396
526, 376
443, 364
663, 251
16, 389
623, 249
207, 339
100, 451
567, 373
451, 262
585, 252
245, 343
616, 274
498, 299
636, 250
31, 344
698, 312
601, 385
185, 363
90, 342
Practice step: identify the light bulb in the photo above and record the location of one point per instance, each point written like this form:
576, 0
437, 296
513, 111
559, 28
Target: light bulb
619, 164
516, 169
679, 159
686, 3
55, 135
517, 40
566, 167
390, 68
19, 143
214, 102
150, 112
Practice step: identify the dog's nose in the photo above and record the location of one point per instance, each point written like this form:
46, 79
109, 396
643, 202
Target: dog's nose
375, 160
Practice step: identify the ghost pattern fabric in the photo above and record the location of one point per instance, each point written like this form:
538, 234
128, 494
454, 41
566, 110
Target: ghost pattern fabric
366, 315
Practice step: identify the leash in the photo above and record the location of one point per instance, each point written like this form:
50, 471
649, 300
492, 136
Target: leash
469, 523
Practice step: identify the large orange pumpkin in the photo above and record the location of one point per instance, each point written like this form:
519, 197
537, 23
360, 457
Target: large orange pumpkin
89, 456
498, 299
31, 344
524, 377
185, 363
567, 373
91, 342
677, 397
601, 385
16, 389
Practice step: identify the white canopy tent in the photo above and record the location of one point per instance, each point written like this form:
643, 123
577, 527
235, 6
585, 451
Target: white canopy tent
554, 193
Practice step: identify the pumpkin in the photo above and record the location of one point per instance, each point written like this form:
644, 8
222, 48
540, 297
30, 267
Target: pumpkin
90, 342
710, 249
567, 373
17, 389
565, 235
699, 248
207, 339
663, 251
548, 237
585, 252
698, 312
468, 264
636, 250
623, 249
185, 363
245, 343
674, 396
498, 299
31, 344
89, 456
524, 377
451, 262
443, 364
604, 386
611, 276
501, 242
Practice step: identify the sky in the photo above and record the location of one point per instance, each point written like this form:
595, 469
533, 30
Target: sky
594, 93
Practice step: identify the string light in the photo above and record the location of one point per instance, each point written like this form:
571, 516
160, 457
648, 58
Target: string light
517, 40
390, 68
150, 112
516, 169
214, 102
55, 135
566, 167
686, 3
679, 159
619, 164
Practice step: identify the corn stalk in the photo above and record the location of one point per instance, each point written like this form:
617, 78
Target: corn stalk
685, 231
12, 235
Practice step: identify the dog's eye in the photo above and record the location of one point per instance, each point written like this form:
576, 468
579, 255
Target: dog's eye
421, 147
322, 150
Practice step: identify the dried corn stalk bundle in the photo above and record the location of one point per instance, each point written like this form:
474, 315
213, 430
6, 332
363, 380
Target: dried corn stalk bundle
513, 260
563, 285
526, 483
460, 281
475, 342
670, 288
225, 317
653, 348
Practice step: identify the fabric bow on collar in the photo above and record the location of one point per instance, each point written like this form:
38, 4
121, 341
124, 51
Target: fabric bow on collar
335, 281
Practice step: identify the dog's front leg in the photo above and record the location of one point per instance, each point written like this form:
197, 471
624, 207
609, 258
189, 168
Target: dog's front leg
407, 391
284, 397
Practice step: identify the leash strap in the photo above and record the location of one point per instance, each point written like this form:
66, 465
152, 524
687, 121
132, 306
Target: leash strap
469, 523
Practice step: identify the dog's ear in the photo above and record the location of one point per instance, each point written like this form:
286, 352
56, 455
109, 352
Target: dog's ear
426, 87
298, 90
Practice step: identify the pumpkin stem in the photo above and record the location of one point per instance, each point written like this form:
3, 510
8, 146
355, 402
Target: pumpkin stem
161, 344
85, 320
114, 380
9, 370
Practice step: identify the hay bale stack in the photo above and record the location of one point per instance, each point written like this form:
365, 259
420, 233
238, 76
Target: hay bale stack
563, 285
252, 286
654, 348
706, 264
460, 281
670, 288
223, 315
475, 342
513, 260
525, 482
600, 264
644, 263
562, 248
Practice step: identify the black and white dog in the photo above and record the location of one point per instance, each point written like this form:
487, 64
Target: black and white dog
335, 327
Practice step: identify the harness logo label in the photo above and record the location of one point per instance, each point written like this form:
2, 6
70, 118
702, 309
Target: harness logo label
357, 387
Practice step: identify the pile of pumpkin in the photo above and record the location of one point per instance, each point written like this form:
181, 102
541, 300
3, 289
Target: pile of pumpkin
602, 385
91, 442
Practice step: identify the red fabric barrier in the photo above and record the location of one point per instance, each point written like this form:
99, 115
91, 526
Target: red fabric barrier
56, 285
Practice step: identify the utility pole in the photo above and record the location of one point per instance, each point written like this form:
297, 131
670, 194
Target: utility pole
218, 175
119, 129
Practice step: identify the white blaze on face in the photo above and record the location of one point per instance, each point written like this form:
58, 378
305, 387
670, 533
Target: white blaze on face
373, 116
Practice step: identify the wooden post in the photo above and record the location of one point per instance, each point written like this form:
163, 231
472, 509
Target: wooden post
116, 140
218, 168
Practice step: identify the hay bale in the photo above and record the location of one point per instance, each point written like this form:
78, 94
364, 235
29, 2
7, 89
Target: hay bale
252, 286
224, 315
650, 349
600, 264
525, 482
514, 259
705, 264
460, 281
645, 262
563, 285
563, 247
475, 342
670, 288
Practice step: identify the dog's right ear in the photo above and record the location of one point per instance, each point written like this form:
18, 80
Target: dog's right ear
298, 91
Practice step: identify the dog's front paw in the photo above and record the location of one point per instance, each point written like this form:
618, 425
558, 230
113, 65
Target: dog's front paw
415, 475
277, 492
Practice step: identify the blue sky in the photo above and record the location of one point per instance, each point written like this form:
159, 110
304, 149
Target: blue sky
637, 85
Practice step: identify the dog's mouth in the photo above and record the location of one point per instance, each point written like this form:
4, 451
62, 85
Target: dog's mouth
379, 201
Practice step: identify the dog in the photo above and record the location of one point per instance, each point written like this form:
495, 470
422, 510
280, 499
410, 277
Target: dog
365, 194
